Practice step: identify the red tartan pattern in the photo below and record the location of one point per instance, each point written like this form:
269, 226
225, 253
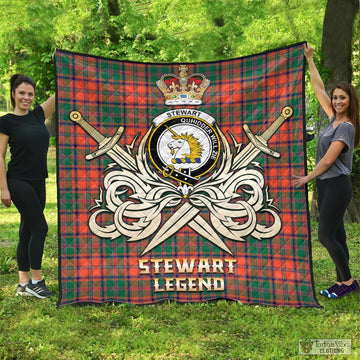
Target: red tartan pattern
250, 90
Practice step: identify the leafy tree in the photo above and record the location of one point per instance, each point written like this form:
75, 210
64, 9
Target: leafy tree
284, 22
143, 30
25, 41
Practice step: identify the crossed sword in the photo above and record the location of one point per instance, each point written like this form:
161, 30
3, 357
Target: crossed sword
186, 214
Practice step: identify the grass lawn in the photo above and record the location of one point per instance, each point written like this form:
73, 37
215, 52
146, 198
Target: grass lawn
37, 329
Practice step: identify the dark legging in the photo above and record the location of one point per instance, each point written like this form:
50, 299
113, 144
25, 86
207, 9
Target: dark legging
29, 198
334, 195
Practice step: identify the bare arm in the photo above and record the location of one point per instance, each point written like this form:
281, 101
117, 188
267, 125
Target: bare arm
329, 158
4, 190
49, 106
317, 82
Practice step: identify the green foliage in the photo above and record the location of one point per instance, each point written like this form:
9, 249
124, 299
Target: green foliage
7, 260
52, 141
150, 31
26, 41
282, 23
155, 31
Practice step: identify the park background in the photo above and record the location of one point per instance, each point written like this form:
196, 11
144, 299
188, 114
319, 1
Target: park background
172, 31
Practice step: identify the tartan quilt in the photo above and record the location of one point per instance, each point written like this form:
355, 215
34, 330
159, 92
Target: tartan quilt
175, 180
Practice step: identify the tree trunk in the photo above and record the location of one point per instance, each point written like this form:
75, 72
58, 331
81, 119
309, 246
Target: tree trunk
114, 10
336, 57
337, 40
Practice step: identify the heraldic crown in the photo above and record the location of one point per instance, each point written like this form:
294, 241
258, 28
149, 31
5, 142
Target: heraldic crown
183, 89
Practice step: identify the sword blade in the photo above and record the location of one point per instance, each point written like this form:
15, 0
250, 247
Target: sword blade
180, 218
259, 142
245, 157
199, 224
122, 158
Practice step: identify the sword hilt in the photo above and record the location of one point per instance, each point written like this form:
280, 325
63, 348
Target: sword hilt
77, 117
286, 112
106, 145
260, 141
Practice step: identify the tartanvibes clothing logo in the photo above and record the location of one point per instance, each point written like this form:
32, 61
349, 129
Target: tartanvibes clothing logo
325, 346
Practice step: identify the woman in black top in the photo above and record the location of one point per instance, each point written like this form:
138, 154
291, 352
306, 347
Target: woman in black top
23, 183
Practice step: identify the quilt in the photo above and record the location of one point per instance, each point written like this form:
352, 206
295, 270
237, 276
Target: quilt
175, 180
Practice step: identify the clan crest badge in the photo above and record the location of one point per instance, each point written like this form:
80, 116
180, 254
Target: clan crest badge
184, 145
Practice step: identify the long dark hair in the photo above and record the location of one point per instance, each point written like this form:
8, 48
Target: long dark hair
15, 81
353, 110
